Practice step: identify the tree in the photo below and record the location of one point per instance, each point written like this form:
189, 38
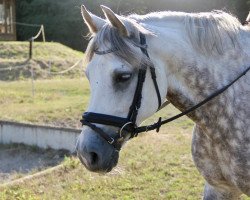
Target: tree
63, 22
240, 8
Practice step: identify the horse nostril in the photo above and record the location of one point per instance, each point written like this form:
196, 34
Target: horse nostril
93, 158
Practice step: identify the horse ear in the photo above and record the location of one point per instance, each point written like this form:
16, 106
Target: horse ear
93, 22
115, 21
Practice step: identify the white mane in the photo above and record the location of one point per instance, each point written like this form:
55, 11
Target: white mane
209, 33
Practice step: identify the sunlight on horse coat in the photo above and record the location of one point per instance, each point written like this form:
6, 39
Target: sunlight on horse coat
194, 55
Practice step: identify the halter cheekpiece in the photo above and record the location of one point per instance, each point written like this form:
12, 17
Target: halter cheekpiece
128, 125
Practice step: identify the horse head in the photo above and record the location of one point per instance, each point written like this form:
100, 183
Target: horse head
114, 57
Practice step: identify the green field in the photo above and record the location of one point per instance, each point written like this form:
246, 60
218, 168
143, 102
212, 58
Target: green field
57, 102
47, 57
152, 166
16, 51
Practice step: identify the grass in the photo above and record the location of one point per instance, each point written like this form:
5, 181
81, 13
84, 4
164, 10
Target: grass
56, 102
46, 158
144, 172
11, 51
151, 166
49, 56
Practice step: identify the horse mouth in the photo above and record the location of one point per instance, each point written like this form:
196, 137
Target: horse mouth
102, 167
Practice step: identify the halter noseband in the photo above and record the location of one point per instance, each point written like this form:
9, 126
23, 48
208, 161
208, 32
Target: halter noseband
129, 124
125, 124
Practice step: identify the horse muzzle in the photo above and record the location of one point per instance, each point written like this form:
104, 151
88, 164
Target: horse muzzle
95, 153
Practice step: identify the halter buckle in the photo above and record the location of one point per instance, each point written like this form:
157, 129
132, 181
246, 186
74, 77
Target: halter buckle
112, 140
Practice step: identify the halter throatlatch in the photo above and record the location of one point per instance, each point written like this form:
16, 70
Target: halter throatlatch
128, 125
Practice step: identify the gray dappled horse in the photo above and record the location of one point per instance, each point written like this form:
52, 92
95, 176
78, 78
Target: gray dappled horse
194, 55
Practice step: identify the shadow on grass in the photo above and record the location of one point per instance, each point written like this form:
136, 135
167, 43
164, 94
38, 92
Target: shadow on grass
18, 160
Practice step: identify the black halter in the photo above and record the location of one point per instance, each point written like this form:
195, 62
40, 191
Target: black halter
125, 124
128, 125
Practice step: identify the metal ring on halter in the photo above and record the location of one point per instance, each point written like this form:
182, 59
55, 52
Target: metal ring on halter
112, 141
120, 131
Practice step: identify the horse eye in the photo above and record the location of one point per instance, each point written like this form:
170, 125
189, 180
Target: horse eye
121, 78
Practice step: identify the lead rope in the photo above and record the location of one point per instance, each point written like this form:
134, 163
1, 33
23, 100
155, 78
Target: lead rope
129, 122
158, 124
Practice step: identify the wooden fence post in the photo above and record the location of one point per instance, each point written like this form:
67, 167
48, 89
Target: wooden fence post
31, 48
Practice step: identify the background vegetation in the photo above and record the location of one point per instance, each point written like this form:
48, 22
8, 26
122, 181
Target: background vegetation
48, 58
151, 166
63, 21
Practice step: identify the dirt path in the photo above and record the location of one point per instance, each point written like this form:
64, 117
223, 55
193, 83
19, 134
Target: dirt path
18, 160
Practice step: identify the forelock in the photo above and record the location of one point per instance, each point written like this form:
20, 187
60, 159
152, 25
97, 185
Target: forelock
109, 38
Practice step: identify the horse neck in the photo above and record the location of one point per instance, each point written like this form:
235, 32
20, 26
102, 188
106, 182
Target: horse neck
192, 76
